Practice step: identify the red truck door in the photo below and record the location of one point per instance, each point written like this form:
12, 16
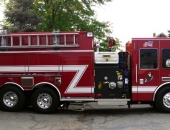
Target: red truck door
147, 68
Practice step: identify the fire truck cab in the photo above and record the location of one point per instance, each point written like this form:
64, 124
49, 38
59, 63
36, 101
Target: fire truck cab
151, 71
51, 69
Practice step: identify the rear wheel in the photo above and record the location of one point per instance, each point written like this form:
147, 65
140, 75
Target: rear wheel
45, 100
11, 98
163, 100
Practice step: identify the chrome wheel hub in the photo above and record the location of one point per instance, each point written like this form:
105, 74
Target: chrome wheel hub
166, 100
10, 99
44, 100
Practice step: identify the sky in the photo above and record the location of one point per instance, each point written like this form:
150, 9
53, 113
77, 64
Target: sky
136, 18
1, 9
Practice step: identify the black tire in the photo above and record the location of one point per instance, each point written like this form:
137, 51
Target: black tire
11, 98
161, 103
45, 100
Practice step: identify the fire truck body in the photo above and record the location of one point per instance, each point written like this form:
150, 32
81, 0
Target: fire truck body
50, 69
30, 68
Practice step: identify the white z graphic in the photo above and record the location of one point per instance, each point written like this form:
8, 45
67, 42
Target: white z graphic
72, 87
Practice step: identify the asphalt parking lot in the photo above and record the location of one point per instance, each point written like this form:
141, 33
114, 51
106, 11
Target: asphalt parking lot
92, 117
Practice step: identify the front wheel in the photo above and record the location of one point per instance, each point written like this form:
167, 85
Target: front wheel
45, 100
11, 98
163, 100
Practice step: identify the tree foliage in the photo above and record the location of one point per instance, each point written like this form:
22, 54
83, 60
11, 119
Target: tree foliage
70, 15
20, 16
162, 35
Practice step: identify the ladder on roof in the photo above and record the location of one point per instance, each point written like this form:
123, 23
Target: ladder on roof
38, 40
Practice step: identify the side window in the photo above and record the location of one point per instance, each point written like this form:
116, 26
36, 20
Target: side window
148, 58
166, 58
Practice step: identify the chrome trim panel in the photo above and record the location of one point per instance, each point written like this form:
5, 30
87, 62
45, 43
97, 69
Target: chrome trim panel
110, 102
27, 81
165, 78
136, 73
77, 99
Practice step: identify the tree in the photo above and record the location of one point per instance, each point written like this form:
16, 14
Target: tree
20, 16
67, 15
162, 35
168, 33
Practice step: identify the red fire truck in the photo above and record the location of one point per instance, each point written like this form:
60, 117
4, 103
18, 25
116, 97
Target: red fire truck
47, 69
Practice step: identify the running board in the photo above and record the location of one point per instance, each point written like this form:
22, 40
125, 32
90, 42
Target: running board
111, 102
76, 99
